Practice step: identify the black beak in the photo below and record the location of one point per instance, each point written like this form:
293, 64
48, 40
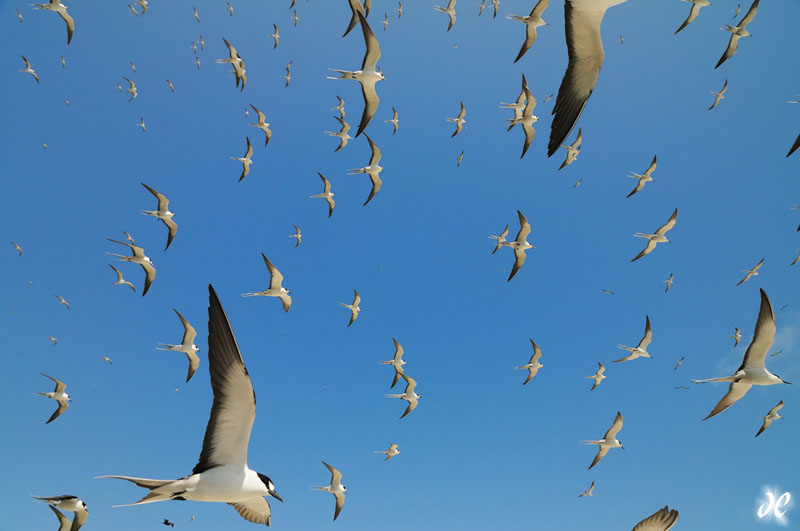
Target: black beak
275, 495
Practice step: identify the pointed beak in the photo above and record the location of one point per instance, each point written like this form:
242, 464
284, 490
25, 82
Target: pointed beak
621, 446
790, 383
275, 495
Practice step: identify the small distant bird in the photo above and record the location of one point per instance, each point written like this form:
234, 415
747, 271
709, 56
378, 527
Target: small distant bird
532, 22
750, 273
342, 134
171, 87
288, 76
450, 11
770, 416
737, 32
393, 121
326, 194
163, 214
246, 162
138, 257
693, 12
262, 124
520, 244
63, 62
297, 235
577, 183
128, 237
587, 492
61, 9
548, 98
142, 125
62, 301
391, 452
409, 395
275, 286
121, 281
639, 350
59, 396
373, 170
144, 4
275, 36
19, 15
622, 38
106, 358
737, 336
679, 363
399, 9
573, 150
197, 62
295, 18
459, 159
167, 522
777, 353
533, 364
29, 70
662, 520
187, 345
195, 15
737, 10
682, 387
354, 308
339, 107
385, 21
67, 103
336, 488
459, 121
230, 9
644, 177
132, 90
17, 247
608, 441
68, 503
133, 67
397, 362
752, 371
356, 7
194, 47
481, 7
598, 376
54, 340
119, 87
669, 282
658, 237
202, 42
719, 96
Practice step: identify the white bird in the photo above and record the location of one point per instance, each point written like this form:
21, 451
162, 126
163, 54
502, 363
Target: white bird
587, 492
275, 286
399, 9
297, 235
680, 361
133, 67
450, 11
106, 358
658, 237
669, 282
738, 31
693, 12
373, 170
202, 42
336, 488
29, 70
197, 63
63, 62
533, 364
639, 350
246, 162
354, 308
771, 415
644, 177
339, 107
393, 121
171, 87
750, 272
68, 503
526, 117
385, 21
737, 11
719, 96
342, 134
138, 257
459, 121
356, 8
59, 396
121, 281
19, 15
367, 76
752, 371
585, 50
163, 214
236, 61
608, 441
459, 159
662, 520
128, 237
326, 194
397, 362
295, 18
61, 300
520, 244
142, 125
221, 474
499, 239
598, 376
573, 150
532, 22
187, 345
53, 339
61, 9
409, 395
275, 36
262, 124
17, 247
132, 90
737, 336
517, 106
391, 452
577, 183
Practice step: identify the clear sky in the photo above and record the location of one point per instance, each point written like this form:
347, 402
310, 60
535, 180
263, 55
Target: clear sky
481, 451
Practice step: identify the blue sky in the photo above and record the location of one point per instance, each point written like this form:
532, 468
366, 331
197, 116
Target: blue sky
481, 451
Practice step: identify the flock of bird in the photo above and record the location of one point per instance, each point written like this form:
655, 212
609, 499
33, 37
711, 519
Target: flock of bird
222, 474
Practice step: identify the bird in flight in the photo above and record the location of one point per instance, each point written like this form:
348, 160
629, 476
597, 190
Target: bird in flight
450, 11
17, 247
459, 121
658, 237
246, 160
397, 362
298, 235
669, 282
533, 364
393, 121
391, 452
750, 272
336, 488
187, 345
662, 520
68, 503
738, 31
221, 474
138, 257
326, 194
573, 150
639, 350
644, 177
163, 214
356, 7
608, 441
598, 376
520, 245
61, 9
532, 22
275, 288
587, 492
737, 335
409, 395
719, 96
693, 12
61, 300
373, 170
132, 90
771, 415
262, 124
343, 133
29, 70
59, 396
354, 308
121, 281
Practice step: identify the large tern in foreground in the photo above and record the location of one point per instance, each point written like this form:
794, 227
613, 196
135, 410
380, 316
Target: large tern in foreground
752, 371
661, 520
221, 474
585, 49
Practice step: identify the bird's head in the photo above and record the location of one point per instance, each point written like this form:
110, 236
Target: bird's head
783, 381
270, 487
344, 489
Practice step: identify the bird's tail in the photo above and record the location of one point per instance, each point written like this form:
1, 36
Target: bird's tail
345, 74
169, 347
151, 484
393, 396
249, 294
623, 347
721, 379
590, 442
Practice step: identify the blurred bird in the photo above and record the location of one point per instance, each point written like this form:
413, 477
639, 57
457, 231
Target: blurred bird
679, 363
132, 90
662, 520
171, 87
62, 301
450, 11
719, 96
669, 282
275, 36
587, 492
17, 247
53, 339
142, 125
